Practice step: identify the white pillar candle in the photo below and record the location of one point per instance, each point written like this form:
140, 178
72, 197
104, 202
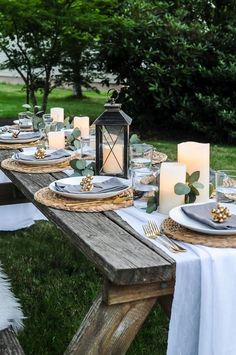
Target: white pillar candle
57, 114
83, 124
196, 157
170, 174
56, 140
110, 164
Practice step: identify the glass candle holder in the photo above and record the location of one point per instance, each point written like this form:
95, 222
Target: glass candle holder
145, 185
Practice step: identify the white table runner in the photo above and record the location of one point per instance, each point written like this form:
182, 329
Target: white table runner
203, 317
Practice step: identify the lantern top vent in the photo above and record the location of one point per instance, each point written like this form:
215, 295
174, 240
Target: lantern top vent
113, 115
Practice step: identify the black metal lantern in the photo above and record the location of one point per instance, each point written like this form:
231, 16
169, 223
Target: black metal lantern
112, 140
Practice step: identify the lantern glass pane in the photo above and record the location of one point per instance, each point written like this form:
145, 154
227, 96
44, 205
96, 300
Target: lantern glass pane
113, 150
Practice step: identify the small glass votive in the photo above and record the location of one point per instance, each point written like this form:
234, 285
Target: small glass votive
226, 186
47, 119
141, 156
88, 147
24, 119
145, 183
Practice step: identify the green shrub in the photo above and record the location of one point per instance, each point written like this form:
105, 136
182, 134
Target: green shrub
178, 62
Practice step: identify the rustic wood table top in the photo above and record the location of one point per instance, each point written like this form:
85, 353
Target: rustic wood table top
135, 271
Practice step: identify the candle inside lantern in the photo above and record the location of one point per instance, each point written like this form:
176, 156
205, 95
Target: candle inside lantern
56, 140
111, 159
83, 124
170, 174
196, 157
57, 114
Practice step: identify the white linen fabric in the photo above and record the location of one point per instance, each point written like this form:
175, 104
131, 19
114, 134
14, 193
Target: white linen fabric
203, 316
17, 216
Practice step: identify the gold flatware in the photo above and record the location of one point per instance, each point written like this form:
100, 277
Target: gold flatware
151, 231
160, 233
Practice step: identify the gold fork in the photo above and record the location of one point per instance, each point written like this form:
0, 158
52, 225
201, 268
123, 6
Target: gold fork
158, 232
152, 233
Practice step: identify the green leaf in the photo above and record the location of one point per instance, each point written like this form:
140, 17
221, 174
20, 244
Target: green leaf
151, 204
76, 133
181, 189
194, 177
194, 190
187, 177
192, 198
27, 106
134, 139
197, 185
92, 166
73, 163
80, 164
77, 144
87, 172
59, 125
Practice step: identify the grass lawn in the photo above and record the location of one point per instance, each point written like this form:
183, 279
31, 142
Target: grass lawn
56, 285
12, 97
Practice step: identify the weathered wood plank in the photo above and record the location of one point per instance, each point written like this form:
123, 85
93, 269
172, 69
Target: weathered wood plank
120, 222
109, 330
113, 294
119, 256
9, 344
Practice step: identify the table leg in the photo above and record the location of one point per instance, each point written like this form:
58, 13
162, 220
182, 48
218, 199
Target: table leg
110, 327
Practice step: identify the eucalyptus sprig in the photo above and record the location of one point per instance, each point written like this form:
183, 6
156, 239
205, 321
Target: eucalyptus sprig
36, 116
72, 139
81, 168
191, 188
134, 139
153, 203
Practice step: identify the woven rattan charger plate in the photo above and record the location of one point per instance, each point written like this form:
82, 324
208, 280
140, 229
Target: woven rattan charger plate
10, 164
158, 157
176, 231
18, 145
49, 198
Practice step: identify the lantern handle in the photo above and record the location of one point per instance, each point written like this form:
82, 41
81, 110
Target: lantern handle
114, 95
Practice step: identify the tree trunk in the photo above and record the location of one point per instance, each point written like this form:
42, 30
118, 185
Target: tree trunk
33, 98
77, 90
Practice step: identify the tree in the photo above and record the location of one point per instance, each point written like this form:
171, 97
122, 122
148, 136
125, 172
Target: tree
31, 39
175, 59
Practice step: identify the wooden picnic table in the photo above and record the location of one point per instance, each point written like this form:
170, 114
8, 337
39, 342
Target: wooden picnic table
136, 273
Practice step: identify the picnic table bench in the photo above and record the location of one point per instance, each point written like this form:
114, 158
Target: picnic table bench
136, 273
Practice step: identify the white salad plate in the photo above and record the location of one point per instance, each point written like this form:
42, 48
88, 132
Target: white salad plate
180, 217
38, 161
8, 138
23, 125
76, 180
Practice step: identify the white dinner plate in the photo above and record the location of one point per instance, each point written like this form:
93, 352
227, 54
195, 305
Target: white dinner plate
23, 125
39, 161
9, 139
180, 217
76, 180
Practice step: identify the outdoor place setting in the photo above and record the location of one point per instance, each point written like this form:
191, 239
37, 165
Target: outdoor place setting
117, 177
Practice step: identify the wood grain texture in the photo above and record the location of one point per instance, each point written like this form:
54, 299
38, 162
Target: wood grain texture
120, 257
9, 344
113, 294
109, 330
